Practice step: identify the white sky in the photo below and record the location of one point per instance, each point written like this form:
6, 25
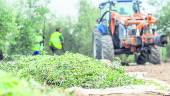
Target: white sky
64, 8
67, 7
70, 7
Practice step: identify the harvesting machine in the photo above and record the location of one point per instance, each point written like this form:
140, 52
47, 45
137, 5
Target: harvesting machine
124, 29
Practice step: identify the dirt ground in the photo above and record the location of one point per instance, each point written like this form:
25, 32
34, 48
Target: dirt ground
160, 72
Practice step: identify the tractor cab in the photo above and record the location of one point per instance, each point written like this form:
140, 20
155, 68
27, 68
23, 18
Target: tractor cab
124, 7
121, 7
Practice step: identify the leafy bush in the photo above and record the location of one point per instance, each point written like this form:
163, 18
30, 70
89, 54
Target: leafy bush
68, 70
11, 86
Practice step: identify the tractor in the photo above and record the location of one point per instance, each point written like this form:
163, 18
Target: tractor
124, 29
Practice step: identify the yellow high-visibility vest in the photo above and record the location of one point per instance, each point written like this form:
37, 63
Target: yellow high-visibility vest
37, 46
55, 40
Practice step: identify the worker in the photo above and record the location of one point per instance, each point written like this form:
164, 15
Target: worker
56, 41
1, 55
103, 27
38, 44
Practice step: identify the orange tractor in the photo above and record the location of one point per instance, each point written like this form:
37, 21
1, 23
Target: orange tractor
124, 29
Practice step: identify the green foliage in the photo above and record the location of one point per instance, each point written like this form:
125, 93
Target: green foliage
24, 19
8, 26
68, 70
164, 54
11, 86
31, 24
164, 23
167, 50
164, 26
85, 26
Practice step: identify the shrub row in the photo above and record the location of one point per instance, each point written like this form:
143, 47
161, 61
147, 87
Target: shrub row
68, 70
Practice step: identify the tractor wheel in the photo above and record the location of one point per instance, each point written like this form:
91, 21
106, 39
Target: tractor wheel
107, 47
154, 56
97, 44
141, 59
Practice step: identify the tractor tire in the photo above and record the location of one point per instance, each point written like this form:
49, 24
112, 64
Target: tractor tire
97, 44
107, 47
141, 59
154, 56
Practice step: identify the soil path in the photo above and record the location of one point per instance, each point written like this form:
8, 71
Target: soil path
160, 72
